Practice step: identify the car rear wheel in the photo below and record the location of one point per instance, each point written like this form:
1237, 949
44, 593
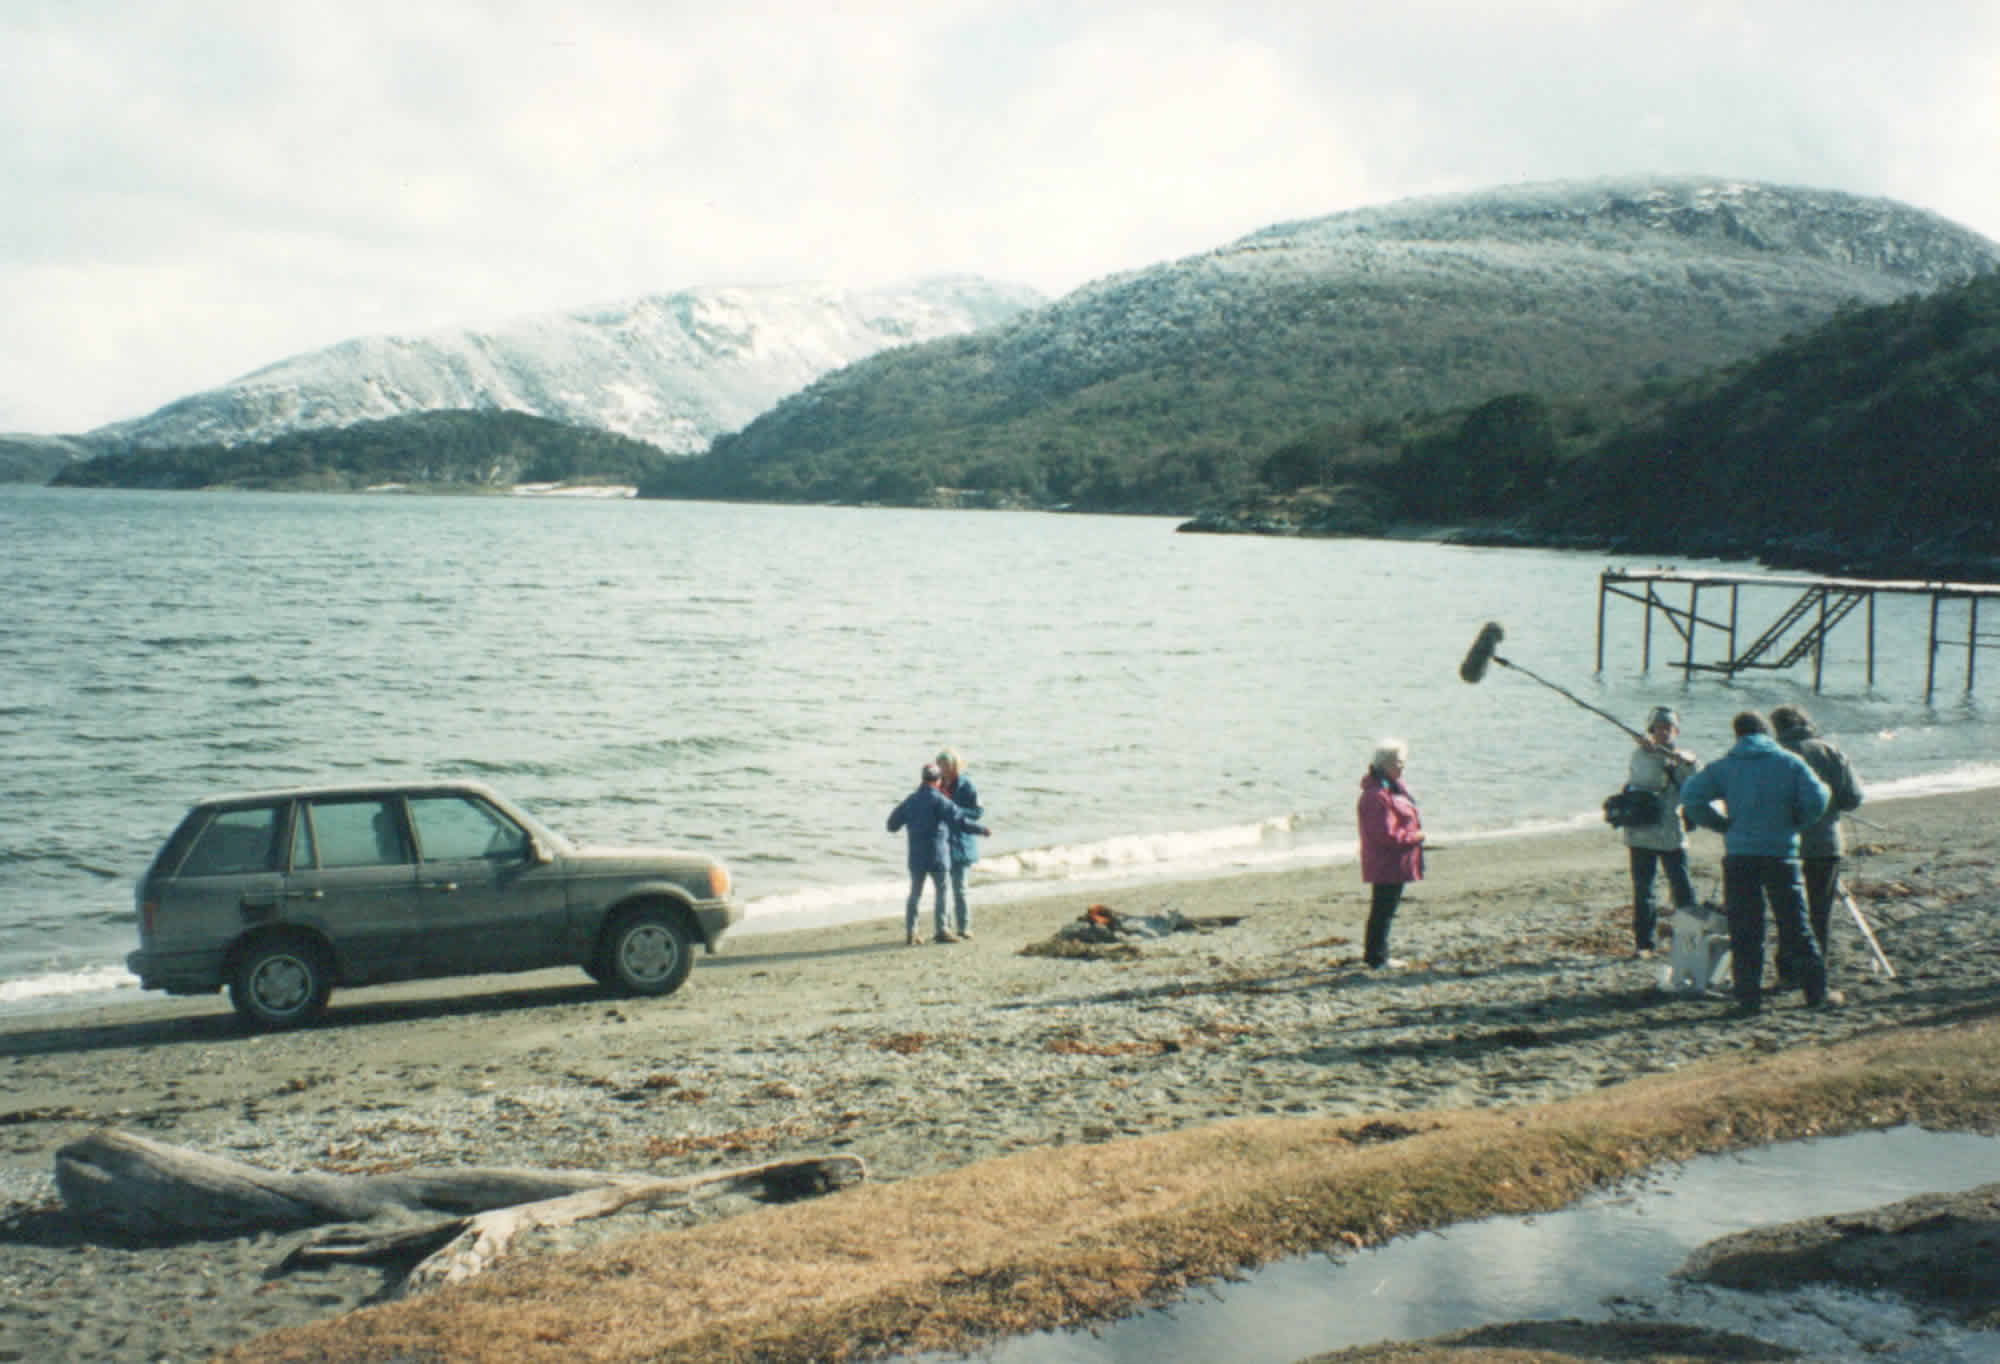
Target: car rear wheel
648, 952
281, 983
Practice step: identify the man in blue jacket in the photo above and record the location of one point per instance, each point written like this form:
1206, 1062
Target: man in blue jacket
931, 818
1770, 794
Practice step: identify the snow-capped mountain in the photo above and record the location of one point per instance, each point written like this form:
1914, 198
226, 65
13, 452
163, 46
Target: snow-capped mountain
675, 370
1422, 305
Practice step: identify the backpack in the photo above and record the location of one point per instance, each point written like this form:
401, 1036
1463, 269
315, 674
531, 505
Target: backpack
1632, 808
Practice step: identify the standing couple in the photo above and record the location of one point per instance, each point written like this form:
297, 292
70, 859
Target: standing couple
940, 817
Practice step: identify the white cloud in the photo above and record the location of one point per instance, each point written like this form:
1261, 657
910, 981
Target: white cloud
191, 190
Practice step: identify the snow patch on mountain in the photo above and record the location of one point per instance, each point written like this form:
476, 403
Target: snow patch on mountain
675, 370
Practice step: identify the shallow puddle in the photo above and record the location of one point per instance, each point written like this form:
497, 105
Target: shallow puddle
1605, 1259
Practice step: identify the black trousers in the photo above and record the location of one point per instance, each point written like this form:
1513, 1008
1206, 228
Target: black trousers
1646, 864
1821, 874
1747, 882
1381, 910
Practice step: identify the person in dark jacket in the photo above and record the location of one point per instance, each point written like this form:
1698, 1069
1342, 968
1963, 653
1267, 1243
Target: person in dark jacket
1770, 794
929, 817
964, 843
1392, 844
1820, 845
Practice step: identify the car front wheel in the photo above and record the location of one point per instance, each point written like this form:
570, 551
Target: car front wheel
281, 984
648, 952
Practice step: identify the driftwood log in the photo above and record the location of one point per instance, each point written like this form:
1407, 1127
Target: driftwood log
146, 1188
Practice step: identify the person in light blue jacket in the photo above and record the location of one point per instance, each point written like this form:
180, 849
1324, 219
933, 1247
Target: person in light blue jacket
1770, 795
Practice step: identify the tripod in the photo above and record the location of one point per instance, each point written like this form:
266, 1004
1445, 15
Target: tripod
1867, 933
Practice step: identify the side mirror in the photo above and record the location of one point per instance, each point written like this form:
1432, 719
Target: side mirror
536, 853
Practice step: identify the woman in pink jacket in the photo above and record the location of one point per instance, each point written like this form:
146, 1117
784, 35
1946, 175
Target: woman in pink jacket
1392, 843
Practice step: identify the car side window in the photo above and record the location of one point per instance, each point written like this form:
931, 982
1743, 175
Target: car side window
456, 829
358, 833
235, 842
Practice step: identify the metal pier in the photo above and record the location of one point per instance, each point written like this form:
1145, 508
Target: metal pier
1812, 607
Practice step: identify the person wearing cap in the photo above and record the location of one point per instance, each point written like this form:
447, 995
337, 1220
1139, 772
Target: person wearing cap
929, 817
1661, 768
1820, 846
964, 844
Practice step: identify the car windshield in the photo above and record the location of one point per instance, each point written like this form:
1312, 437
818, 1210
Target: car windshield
548, 837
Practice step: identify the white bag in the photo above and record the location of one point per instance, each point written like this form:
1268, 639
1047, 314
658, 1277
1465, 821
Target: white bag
1698, 962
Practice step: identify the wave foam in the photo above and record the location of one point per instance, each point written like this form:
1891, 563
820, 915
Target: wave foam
90, 980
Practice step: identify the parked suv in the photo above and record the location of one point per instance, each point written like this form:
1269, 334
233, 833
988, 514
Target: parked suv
282, 895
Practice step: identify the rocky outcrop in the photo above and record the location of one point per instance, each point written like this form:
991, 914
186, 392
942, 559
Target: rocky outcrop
1941, 1251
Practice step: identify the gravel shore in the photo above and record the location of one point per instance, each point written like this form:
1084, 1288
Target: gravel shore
1519, 988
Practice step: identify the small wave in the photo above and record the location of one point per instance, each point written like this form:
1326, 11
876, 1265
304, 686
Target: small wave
482, 768
274, 744
1184, 848
1125, 859
191, 641
91, 980
674, 746
66, 861
1969, 777
122, 687
765, 859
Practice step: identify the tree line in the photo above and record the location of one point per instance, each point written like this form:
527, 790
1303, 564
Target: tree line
447, 450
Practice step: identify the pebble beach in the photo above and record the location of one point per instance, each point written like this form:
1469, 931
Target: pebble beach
1519, 986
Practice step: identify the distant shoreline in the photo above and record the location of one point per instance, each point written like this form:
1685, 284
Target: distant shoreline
1819, 555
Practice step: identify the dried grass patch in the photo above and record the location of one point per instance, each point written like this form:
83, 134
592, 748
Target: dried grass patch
1067, 1235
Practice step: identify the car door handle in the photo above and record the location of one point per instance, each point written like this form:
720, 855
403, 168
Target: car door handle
448, 887
314, 894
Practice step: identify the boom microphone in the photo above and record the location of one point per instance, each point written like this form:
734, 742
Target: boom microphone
1481, 652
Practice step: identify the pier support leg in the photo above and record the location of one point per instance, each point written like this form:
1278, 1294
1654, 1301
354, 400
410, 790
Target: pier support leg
1930, 662
1819, 645
1971, 640
1734, 593
1694, 620
1871, 641
1600, 624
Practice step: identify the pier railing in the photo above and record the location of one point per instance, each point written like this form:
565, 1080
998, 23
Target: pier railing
1810, 609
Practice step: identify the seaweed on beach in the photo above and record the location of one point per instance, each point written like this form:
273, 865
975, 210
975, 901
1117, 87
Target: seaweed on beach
1101, 933
1073, 950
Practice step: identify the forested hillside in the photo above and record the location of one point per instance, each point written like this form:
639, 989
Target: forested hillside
1870, 445
441, 450
1166, 389
35, 459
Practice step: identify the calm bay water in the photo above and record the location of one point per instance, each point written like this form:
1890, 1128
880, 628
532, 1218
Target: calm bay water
763, 683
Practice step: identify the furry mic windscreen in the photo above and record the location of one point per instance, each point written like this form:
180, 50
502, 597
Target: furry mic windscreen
1481, 652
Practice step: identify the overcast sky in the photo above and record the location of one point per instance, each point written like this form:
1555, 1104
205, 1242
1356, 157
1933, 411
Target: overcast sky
189, 191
